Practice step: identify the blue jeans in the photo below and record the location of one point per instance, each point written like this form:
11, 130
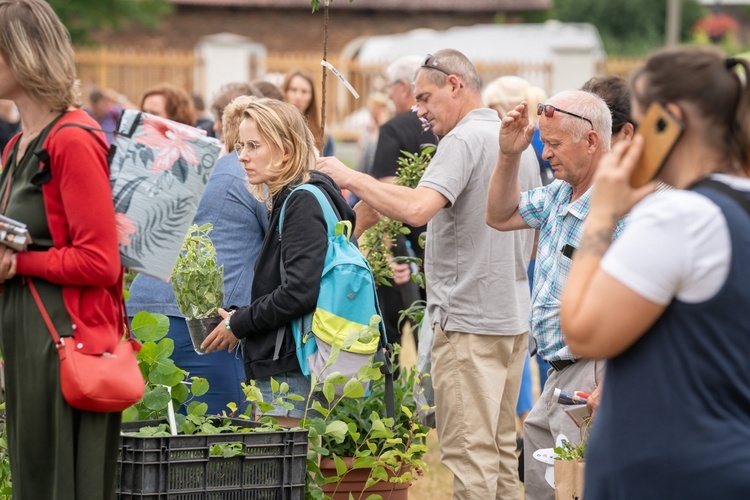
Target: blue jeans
298, 384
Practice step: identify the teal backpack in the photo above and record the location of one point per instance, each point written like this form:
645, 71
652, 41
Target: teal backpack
347, 304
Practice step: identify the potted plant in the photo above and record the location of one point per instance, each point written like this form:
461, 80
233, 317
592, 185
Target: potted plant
377, 455
354, 449
198, 284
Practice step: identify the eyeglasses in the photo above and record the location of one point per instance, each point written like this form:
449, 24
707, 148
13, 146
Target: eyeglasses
251, 148
549, 112
432, 62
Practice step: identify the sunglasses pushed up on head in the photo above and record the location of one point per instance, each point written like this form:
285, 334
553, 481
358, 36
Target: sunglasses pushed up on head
548, 110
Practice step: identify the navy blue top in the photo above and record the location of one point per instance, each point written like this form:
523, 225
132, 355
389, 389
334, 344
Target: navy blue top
240, 223
674, 421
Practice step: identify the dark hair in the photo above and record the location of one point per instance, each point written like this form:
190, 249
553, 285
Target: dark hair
270, 90
702, 77
615, 91
96, 96
229, 92
178, 106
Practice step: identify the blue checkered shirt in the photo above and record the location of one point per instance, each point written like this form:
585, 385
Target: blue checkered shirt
560, 223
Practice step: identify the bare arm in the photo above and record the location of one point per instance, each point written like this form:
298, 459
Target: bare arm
413, 206
504, 191
600, 316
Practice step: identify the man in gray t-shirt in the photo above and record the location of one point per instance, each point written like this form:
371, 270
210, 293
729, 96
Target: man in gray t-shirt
477, 290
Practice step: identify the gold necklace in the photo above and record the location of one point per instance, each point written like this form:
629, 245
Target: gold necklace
27, 137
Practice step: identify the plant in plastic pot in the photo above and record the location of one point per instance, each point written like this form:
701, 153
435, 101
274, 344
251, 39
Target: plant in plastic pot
198, 284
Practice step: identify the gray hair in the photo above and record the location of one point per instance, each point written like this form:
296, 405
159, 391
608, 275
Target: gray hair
587, 105
403, 68
458, 64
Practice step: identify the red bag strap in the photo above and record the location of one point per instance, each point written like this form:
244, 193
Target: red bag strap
43, 311
51, 326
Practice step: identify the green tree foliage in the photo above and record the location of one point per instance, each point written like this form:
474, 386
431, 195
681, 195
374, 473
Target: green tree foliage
627, 27
82, 17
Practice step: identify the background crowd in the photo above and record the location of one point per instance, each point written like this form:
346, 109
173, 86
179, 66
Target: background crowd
539, 252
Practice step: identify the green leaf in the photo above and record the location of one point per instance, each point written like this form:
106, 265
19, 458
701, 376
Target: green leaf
329, 391
380, 474
199, 386
156, 399
165, 366
354, 389
197, 408
364, 463
337, 431
130, 414
335, 378
164, 348
149, 327
340, 465
264, 407
406, 411
180, 393
274, 385
284, 388
168, 379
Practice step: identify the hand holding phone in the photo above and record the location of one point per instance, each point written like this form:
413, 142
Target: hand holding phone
660, 130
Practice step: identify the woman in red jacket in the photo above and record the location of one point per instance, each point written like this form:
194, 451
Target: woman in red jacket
73, 261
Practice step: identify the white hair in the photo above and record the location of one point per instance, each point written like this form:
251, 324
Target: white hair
589, 106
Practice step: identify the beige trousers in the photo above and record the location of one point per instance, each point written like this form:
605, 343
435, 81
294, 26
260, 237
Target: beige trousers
476, 380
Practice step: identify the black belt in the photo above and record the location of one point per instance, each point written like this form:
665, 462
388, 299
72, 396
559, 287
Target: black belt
562, 364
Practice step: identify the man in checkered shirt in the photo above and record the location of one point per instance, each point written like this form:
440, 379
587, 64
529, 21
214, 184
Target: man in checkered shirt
576, 128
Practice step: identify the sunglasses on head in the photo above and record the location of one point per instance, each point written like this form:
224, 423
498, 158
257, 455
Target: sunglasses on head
432, 62
549, 111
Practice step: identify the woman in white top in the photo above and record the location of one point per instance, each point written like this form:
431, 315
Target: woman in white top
669, 302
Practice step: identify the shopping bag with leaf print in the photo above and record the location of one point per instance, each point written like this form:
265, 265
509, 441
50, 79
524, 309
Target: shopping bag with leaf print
158, 171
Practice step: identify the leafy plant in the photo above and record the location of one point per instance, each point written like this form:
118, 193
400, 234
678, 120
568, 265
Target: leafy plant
391, 448
164, 380
570, 452
353, 425
6, 484
197, 281
376, 241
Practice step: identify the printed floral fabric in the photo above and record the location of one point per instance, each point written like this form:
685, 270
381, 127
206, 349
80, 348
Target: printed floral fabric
158, 171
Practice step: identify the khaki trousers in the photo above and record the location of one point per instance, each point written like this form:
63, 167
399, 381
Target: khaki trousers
476, 380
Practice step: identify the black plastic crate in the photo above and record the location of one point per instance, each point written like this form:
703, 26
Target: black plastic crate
180, 468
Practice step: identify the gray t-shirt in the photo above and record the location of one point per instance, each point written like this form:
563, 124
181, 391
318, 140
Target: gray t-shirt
476, 275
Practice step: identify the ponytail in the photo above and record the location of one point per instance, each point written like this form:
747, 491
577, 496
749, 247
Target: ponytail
740, 130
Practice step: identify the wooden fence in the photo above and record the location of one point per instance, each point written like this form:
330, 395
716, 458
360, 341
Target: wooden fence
131, 73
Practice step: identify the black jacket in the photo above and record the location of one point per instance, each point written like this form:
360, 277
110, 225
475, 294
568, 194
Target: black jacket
303, 248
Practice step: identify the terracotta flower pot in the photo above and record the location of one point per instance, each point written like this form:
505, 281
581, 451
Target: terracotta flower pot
354, 482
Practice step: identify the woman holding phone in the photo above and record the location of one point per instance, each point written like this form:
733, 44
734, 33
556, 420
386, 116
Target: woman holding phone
667, 303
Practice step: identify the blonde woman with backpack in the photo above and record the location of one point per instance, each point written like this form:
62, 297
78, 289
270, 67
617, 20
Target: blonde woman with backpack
277, 151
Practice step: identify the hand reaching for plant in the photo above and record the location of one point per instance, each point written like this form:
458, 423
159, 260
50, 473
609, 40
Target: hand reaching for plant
401, 272
221, 337
366, 218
